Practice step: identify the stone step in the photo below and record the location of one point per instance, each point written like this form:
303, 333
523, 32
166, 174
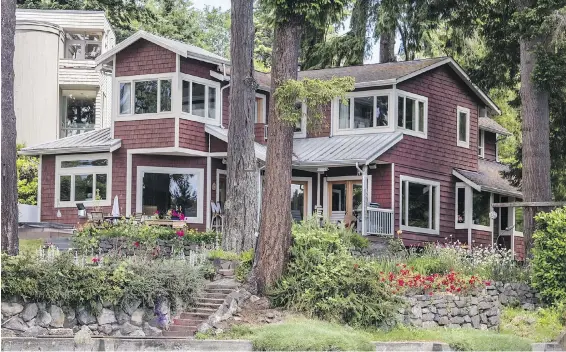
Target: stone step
218, 290
186, 333
195, 315
208, 305
213, 295
210, 300
221, 286
187, 322
226, 272
200, 310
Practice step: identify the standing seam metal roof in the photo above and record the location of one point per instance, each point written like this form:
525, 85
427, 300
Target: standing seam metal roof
97, 140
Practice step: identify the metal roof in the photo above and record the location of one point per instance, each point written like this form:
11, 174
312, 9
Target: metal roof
94, 141
488, 178
489, 124
343, 150
183, 49
222, 134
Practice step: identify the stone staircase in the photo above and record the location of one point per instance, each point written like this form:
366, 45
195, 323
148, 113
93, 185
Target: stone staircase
206, 305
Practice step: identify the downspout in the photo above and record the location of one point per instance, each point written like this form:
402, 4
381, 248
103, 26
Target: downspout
208, 187
363, 171
222, 104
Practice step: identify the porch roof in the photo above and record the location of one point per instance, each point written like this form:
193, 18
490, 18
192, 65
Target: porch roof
488, 178
222, 134
90, 142
490, 125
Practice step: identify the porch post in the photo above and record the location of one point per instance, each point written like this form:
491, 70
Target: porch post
364, 198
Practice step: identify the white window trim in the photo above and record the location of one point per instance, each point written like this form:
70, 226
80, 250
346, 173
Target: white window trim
390, 93
469, 209
514, 219
481, 143
482, 227
308, 180
132, 116
405, 194
263, 107
466, 143
303, 132
218, 173
172, 170
59, 171
207, 83
325, 208
416, 133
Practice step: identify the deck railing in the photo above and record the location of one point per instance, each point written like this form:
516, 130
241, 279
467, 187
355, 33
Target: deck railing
380, 221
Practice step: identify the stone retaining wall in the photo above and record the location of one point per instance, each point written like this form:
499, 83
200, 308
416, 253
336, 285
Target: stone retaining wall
30, 319
481, 311
517, 294
126, 246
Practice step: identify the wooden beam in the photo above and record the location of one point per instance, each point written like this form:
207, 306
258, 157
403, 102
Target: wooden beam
528, 204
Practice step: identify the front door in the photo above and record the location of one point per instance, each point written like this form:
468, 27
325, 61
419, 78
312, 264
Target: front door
344, 201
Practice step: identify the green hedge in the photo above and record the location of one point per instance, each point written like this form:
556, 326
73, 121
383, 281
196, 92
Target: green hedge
63, 282
549, 256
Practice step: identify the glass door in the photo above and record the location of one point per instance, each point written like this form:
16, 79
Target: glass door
345, 201
299, 190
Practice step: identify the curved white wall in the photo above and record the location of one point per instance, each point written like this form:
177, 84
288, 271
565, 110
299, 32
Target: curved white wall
39, 46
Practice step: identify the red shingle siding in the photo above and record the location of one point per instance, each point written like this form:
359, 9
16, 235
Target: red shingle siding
48, 210
381, 185
144, 58
322, 128
197, 68
226, 107
217, 145
192, 135
489, 146
154, 133
259, 129
519, 248
169, 161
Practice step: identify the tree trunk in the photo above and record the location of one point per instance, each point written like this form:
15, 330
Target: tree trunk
536, 184
242, 178
387, 47
9, 202
275, 227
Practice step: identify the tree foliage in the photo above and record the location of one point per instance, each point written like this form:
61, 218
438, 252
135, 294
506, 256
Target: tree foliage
27, 168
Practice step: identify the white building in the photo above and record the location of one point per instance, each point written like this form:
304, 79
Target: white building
57, 91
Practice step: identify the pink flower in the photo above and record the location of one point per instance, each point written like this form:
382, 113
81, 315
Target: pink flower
156, 212
136, 244
95, 260
174, 213
181, 216
180, 233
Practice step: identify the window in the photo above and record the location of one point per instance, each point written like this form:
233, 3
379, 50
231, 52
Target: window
420, 205
162, 189
77, 111
260, 108
481, 143
461, 205
463, 126
363, 111
83, 46
412, 113
199, 100
481, 208
149, 95
83, 179
300, 130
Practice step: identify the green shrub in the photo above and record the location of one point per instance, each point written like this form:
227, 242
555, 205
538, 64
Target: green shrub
549, 255
542, 325
324, 280
245, 266
222, 254
63, 282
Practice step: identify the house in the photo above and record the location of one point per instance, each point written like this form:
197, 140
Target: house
57, 90
414, 149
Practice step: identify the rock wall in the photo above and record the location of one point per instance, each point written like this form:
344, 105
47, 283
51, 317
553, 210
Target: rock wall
30, 319
126, 246
517, 294
481, 311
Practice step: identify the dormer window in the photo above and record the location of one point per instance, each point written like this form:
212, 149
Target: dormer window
412, 113
83, 45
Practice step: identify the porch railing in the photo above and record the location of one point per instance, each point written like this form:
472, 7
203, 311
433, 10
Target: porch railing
380, 221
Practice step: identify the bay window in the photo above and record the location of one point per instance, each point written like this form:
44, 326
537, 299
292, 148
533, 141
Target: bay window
199, 99
463, 127
363, 110
149, 96
420, 205
412, 113
160, 189
83, 179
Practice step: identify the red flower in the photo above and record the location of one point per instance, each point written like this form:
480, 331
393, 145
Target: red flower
401, 282
181, 216
95, 260
430, 293
136, 244
180, 233
487, 283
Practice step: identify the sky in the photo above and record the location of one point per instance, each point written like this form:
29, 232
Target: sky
225, 5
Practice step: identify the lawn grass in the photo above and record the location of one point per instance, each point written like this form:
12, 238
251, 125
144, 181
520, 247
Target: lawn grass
459, 339
542, 325
30, 246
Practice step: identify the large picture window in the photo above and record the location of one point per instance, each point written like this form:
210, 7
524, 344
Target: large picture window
363, 110
199, 100
78, 113
420, 205
163, 189
149, 96
83, 179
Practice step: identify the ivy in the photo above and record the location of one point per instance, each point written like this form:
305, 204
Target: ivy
314, 93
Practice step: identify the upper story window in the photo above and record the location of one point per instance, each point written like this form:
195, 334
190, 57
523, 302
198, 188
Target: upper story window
363, 110
420, 205
412, 111
77, 111
463, 126
199, 99
150, 96
481, 143
83, 179
83, 45
300, 130
260, 108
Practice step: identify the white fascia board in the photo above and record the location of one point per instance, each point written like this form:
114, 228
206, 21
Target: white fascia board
385, 148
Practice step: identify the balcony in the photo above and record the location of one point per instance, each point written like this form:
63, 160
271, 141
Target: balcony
380, 221
78, 72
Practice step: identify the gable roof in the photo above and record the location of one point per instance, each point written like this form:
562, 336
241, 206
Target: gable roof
390, 73
490, 125
183, 49
488, 178
94, 141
